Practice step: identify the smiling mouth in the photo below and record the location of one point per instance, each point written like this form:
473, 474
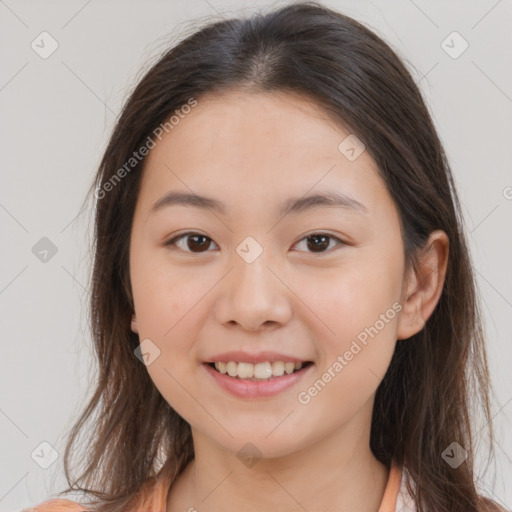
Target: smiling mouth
258, 372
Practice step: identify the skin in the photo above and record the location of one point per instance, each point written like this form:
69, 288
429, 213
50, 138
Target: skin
253, 151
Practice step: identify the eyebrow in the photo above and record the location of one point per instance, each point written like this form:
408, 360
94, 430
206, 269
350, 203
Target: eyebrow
292, 205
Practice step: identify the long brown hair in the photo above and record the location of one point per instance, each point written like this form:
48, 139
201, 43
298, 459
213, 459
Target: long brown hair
436, 379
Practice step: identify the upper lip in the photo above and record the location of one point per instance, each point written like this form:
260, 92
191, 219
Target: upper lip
260, 357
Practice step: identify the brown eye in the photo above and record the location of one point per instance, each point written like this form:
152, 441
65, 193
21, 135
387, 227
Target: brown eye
196, 242
319, 242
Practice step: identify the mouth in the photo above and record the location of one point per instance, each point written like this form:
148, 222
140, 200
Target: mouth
262, 380
259, 372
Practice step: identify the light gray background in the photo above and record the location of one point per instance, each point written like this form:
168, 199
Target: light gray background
56, 115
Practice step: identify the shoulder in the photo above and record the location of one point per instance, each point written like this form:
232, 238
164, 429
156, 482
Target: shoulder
57, 505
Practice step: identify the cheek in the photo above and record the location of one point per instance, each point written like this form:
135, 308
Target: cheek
357, 304
168, 304
356, 357
164, 295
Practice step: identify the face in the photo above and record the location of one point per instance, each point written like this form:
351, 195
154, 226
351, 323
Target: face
317, 282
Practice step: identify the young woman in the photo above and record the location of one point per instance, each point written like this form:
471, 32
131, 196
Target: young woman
283, 305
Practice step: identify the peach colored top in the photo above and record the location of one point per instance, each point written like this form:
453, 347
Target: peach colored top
153, 497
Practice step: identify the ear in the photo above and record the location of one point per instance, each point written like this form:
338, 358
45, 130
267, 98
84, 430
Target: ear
424, 285
134, 326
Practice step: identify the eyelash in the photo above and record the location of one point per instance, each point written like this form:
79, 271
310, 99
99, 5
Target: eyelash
172, 243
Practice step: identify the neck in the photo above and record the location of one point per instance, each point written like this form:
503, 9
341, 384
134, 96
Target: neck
338, 472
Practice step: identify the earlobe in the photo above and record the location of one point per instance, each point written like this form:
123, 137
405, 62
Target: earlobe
134, 325
424, 286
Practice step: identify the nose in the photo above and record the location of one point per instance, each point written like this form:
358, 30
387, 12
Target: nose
253, 296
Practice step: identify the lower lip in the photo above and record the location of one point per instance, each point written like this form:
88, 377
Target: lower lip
257, 389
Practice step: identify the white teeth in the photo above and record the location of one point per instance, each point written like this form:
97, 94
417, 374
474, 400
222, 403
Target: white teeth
231, 368
245, 370
289, 367
258, 371
278, 368
261, 370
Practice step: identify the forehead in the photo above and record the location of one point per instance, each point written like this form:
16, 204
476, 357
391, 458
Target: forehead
249, 147
241, 125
